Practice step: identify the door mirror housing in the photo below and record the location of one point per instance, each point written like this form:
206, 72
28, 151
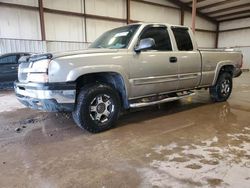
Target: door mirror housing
145, 44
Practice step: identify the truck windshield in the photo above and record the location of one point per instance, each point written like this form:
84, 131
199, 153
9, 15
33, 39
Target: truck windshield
116, 38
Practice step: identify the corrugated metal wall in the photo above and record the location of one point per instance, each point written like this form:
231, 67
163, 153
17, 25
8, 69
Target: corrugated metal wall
20, 29
38, 46
17, 45
238, 39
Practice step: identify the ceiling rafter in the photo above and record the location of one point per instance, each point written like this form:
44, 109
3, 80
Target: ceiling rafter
198, 1
228, 9
186, 7
235, 18
217, 4
233, 14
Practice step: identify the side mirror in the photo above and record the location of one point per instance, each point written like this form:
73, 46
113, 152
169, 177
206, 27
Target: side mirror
145, 44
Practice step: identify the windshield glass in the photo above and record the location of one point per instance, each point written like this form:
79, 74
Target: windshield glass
116, 38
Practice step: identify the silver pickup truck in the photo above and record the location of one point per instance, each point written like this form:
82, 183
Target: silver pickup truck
128, 67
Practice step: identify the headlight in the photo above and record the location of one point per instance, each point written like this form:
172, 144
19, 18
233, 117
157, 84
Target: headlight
41, 66
39, 71
38, 77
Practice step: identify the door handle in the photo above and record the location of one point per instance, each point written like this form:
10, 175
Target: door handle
173, 59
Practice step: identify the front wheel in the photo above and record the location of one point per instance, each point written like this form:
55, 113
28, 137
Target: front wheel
221, 91
97, 108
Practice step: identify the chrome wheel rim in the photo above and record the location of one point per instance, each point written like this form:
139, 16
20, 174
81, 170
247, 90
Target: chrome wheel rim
101, 108
225, 87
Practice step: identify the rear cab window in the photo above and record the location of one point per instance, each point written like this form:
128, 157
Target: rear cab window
182, 38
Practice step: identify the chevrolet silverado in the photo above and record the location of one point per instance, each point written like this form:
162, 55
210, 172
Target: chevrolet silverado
128, 67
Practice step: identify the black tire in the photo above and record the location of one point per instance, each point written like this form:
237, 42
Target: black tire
97, 97
221, 91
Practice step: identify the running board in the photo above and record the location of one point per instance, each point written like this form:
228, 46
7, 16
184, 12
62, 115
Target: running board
168, 99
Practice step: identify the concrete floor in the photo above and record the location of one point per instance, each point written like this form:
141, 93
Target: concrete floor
187, 143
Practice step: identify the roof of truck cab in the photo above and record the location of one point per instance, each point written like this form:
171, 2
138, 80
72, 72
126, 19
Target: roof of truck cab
158, 23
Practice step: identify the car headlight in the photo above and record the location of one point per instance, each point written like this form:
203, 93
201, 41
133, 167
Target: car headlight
38, 77
39, 71
40, 66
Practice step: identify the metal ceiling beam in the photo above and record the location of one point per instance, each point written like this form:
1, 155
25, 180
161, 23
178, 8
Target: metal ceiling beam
235, 18
186, 7
234, 29
217, 4
155, 4
198, 1
12, 5
232, 14
228, 9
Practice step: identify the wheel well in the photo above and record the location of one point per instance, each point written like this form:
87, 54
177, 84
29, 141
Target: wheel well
113, 79
227, 68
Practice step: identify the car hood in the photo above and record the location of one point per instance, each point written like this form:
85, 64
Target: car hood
86, 51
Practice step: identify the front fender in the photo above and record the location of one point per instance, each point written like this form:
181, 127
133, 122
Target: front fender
80, 71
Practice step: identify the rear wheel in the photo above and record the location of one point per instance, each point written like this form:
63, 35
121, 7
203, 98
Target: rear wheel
97, 108
221, 91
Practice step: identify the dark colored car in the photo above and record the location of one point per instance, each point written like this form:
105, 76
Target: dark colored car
9, 67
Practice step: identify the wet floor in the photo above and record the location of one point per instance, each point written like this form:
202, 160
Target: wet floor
187, 143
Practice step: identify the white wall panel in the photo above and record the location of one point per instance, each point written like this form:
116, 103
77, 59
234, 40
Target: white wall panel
111, 8
64, 28
235, 24
66, 5
96, 27
19, 23
234, 38
149, 13
239, 39
205, 40
65, 46
201, 23
22, 2
246, 56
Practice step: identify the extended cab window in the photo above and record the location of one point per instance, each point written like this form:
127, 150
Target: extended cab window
160, 36
183, 40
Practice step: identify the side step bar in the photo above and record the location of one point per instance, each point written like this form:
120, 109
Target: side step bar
168, 99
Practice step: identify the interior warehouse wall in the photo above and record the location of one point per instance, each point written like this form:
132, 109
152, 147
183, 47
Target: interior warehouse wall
204, 39
20, 28
238, 39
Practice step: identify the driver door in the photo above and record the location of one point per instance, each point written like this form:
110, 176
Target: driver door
154, 71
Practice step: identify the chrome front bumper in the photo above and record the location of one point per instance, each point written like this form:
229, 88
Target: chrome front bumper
53, 97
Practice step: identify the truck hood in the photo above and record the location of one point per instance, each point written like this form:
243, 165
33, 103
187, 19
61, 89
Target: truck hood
86, 51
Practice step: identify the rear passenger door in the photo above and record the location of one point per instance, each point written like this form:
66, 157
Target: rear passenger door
189, 60
8, 68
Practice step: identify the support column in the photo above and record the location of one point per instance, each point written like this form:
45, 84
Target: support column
85, 21
194, 15
128, 11
182, 16
217, 34
41, 14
